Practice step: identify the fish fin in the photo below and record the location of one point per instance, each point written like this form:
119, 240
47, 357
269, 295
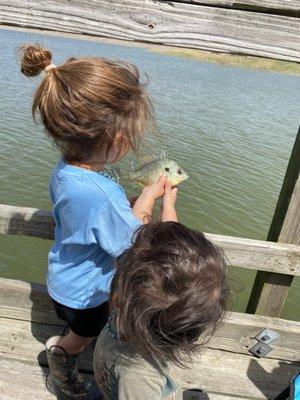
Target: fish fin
120, 174
145, 159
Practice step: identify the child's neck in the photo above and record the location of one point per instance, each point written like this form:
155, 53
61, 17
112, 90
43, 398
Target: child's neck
91, 166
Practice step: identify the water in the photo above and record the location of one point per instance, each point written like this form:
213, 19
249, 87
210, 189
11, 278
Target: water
232, 129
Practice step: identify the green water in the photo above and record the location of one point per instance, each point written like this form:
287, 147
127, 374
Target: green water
232, 129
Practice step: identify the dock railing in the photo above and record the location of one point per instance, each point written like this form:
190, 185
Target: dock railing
277, 260
246, 253
264, 28
227, 369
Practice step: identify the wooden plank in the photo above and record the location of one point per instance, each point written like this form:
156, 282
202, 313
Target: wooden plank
270, 290
281, 7
238, 375
26, 221
245, 253
214, 371
258, 254
19, 381
285, 226
26, 301
290, 231
237, 335
31, 303
165, 22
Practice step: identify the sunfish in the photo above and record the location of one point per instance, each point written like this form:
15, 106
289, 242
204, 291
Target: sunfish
150, 172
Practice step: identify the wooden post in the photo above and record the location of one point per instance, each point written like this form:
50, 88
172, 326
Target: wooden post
270, 290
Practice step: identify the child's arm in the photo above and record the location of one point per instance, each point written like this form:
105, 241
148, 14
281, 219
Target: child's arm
144, 204
113, 223
168, 211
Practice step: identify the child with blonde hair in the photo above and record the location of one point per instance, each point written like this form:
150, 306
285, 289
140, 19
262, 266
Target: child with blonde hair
95, 110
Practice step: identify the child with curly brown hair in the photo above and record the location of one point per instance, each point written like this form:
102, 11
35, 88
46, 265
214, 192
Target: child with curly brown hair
95, 110
168, 295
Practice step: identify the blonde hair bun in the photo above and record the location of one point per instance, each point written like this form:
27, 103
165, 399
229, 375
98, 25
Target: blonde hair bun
34, 59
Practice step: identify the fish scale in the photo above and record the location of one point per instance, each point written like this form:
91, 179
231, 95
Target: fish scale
150, 172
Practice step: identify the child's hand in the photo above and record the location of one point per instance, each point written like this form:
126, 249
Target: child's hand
170, 195
168, 211
156, 190
143, 206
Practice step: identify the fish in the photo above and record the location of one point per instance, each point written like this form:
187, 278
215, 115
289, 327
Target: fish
150, 172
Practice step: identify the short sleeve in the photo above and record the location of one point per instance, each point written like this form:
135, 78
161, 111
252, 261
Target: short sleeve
114, 225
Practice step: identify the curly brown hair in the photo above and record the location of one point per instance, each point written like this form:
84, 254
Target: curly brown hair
85, 102
170, 288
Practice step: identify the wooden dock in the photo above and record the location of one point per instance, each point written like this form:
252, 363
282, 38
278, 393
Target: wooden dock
264, 28
226, 370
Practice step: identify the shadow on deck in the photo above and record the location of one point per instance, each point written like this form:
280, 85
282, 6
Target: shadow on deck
224, 371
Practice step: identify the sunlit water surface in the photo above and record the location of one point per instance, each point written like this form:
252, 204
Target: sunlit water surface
232, 129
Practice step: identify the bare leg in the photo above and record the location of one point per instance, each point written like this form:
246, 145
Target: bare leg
72, 343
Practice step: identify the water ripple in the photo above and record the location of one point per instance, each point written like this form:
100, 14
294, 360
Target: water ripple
232, 129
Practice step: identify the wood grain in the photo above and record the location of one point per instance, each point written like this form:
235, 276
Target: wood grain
270, 290
165, 22
30, 302
26, 221
281, 7
213, 370
246, 253
19, 381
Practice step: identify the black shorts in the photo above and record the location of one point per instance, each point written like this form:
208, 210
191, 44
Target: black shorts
87, 322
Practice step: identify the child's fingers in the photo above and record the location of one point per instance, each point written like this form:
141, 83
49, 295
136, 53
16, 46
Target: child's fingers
168, 187
162, 181
174, 192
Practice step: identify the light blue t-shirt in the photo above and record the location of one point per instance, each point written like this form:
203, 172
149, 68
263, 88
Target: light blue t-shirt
94, 224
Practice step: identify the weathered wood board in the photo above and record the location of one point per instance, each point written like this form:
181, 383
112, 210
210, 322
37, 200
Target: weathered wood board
164, 22
30, 303
246, 253
281, 7
213, 370
26, 221
270, 290
290, 232
19, 381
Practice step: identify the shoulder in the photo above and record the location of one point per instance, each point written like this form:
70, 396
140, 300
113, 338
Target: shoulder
107, 187
77, 184
129, 362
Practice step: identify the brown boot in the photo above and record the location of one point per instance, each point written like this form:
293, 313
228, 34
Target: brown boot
64, 379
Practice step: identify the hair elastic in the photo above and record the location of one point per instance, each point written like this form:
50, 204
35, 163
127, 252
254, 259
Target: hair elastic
50, 66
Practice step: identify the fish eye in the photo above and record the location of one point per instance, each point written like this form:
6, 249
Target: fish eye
179, 172
167, 169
